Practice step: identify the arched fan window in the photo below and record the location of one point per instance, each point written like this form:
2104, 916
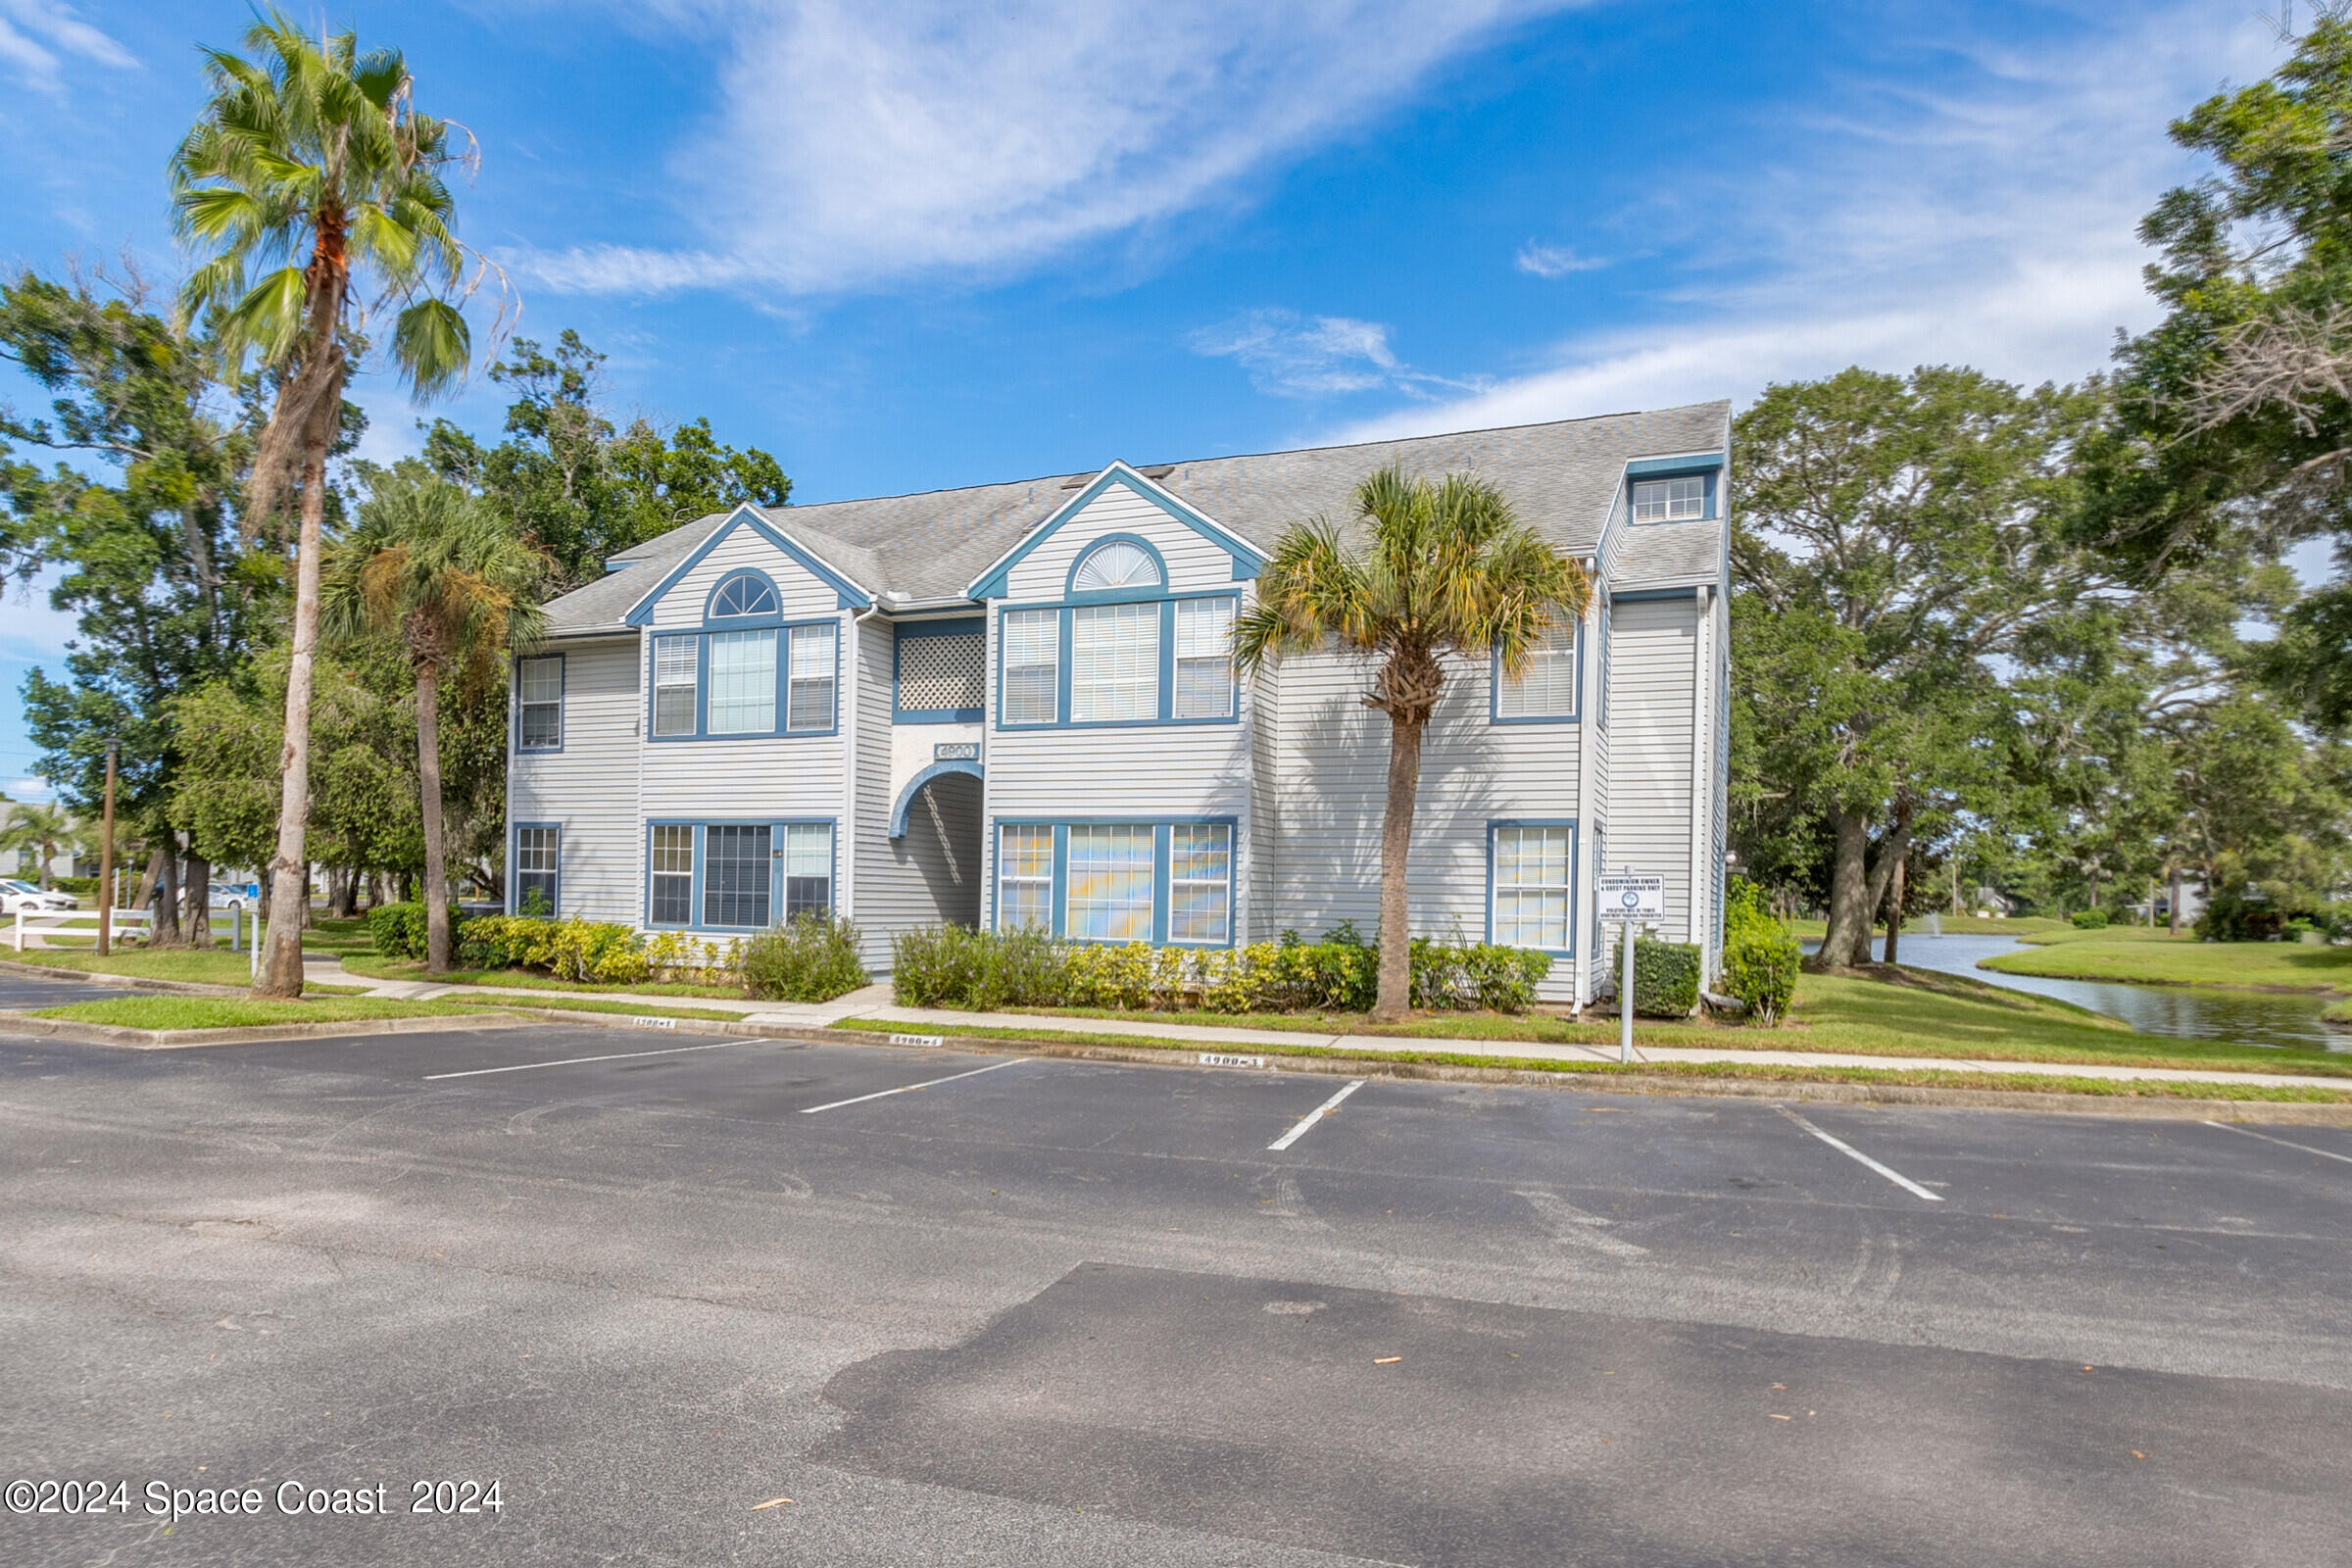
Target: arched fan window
743, 593
1116, 563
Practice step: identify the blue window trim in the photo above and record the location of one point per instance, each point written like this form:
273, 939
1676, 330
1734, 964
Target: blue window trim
563, 674
1651, 596
1708, 467
1600, 864
1167, 603
701, 684
1575, 873
849, 595
1247, 563
513, 872
897, 812
713, 621
775, 868
1162, 837
968, 625
1496, 678
1600, 700
1073, 594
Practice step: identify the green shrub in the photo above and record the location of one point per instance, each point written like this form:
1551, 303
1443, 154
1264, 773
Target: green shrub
2089, 919
81, 887
811, 958
1761, 956
398, 929
1665, 979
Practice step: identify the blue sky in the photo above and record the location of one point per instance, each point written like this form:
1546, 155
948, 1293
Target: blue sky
908, 246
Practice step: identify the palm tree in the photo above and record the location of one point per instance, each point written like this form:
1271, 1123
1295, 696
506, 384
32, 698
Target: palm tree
452, 582
42, 829
1429, 570
315, 188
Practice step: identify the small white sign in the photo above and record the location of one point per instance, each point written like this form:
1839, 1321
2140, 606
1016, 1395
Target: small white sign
919, 1040
655, 1023
1632, 897
1218, 1058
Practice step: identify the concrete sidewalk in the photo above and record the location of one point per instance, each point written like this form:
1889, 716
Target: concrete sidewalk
873, 1004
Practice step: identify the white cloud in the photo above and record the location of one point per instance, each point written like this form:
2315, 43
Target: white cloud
1996, 229
1316, 356
859, 142
35, 33
29, 789
1555, 261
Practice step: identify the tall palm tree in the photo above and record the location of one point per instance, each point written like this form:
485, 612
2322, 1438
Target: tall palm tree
314, 189
454, 583
41, 829
1426, 571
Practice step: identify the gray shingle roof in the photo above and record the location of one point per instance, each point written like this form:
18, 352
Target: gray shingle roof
1669, 555
1563, 478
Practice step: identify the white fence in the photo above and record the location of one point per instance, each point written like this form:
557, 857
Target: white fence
76, 923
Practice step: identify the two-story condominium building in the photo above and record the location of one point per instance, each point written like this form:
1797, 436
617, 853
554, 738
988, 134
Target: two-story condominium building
1016, 704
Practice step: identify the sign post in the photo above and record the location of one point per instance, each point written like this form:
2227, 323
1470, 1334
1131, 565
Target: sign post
1629, 900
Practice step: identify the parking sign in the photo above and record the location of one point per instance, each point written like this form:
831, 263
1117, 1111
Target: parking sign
1629, 897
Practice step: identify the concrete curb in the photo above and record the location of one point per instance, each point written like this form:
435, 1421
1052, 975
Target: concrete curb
102, 1034
2131, 1108
178, 988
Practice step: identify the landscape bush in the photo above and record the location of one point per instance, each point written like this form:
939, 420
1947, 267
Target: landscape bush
398, 929
1761, 956
811, 958
1665, 979
951, 966
2089, 919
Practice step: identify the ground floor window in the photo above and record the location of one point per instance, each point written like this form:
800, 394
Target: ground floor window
1156, 882
737, 876
1534, 885
536, 860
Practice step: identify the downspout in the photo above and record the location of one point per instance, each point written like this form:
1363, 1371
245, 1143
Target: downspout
1702, 671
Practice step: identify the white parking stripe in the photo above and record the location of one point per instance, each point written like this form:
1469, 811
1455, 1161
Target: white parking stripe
569, 1062
2281, 1141
907, 1089
1315, 1115
1852, 1153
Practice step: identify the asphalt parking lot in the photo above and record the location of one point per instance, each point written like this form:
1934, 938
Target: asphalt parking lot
964, 1308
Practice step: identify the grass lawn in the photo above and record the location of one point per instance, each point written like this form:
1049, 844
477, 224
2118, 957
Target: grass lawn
382, 968
1920, 1014
236, 1012
2339, 1012
629, 1009
2144, 956
1702, 1072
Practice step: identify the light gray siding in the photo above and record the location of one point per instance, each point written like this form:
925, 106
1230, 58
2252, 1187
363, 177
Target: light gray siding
1654, 673
589, 789
932, 875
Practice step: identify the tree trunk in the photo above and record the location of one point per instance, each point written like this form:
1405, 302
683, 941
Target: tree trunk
147, 880
1850, 907
343, 892
2175, 911
1895, 909
165, 933
280, 972
1396, 994
200, 901
428, 775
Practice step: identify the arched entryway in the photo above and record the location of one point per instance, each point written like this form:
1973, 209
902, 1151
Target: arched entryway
936, 832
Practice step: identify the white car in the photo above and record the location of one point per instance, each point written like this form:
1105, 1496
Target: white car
230, 896
16, 895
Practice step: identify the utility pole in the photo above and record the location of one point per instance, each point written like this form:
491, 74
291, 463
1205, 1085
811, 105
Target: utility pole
106, 856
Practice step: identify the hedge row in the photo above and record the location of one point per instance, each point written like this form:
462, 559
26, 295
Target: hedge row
809, 960
951, 966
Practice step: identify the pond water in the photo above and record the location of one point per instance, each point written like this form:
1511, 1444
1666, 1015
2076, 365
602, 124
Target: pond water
2286, 1020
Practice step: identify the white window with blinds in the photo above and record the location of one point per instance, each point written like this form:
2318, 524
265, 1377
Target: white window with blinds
672, 867
1200, 882
1032, 667
1203, 659
742, 683
1109, 883
1677, 499
1024, 877
1546, 688
809, 703
807, 870
675, 674
1534, 886
539, 696
1114, 664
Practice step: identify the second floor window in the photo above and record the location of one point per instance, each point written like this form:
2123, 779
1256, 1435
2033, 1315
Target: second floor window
676, 673
1115, 662
1676, 499
809, 705
1032, 667
540, 727
1547, 689
743, 683
1203, 659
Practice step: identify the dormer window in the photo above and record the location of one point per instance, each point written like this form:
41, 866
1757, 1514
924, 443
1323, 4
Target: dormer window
1677, 499
1116, 563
